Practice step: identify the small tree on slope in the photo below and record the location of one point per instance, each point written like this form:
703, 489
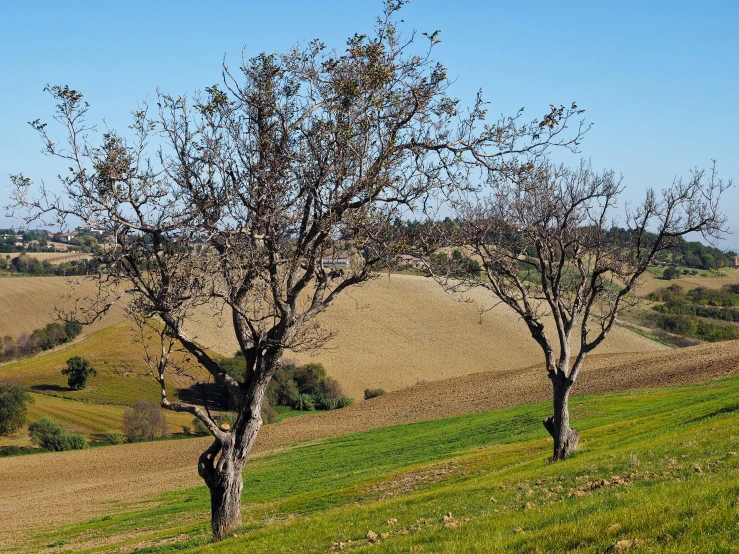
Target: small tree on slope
77, 371
547, 251
249, 189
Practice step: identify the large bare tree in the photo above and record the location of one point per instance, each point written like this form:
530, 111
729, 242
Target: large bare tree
547, 249
245, 197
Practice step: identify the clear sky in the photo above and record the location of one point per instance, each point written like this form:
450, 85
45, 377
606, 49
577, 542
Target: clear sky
658, 78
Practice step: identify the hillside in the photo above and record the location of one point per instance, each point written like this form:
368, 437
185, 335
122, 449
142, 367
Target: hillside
92, 420
117, 354
395, 332
82, 487
27, 303
652, 283
656, 468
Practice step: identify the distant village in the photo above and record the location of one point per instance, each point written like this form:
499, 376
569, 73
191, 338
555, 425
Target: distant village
83, 239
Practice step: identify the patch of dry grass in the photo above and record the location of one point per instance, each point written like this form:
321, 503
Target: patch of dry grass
652, 283
27, 303
56, 258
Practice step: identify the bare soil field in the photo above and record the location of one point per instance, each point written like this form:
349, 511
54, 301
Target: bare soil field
394, 332
54, 489
27, 303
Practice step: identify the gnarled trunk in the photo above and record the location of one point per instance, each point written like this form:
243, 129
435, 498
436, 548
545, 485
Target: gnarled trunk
225, 503
558, 425
221, 467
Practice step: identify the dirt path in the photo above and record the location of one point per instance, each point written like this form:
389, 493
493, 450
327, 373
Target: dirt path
52, 489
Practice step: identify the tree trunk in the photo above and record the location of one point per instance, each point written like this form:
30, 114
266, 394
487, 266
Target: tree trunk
225, 503
221, 466
558, 425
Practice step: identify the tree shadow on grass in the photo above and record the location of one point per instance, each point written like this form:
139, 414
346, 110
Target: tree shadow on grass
211, 394
51, 388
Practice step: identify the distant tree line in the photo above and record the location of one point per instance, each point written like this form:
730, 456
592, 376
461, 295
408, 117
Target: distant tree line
685, 253
45, 338
690, 254
680, 311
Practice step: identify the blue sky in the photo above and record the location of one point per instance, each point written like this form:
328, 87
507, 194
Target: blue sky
658, 78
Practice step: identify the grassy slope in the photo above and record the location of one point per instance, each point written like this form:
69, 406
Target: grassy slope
635, 477
113, 351
98, 409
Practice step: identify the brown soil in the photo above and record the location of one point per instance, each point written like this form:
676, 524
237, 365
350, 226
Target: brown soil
52, 489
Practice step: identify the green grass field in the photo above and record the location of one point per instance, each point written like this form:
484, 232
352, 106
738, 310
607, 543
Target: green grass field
657, 467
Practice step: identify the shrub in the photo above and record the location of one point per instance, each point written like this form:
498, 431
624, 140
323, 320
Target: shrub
186, 429
144, 420
45, 432
309, 379
115, 438
305, 402
671, 273
268, 413
344, 401
72, 330
373, 393
334, 403
78, 370
199, 427
72, 441
327, 403
13, 400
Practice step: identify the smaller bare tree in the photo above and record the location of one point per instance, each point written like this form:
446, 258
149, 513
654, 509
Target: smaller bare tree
144, 420
549, 252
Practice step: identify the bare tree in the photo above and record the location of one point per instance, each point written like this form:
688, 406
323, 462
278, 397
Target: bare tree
548, 251
246, 198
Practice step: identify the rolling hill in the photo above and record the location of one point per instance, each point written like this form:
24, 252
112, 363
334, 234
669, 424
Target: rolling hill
96, 482
395, 332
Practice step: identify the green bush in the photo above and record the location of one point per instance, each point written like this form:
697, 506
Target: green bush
373, 393
327, 403
199, 427
344, 401
115, 438
50, 435
75, 441
13, 400
671, 273
305, 402
186, 429
45, 432
72, 441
